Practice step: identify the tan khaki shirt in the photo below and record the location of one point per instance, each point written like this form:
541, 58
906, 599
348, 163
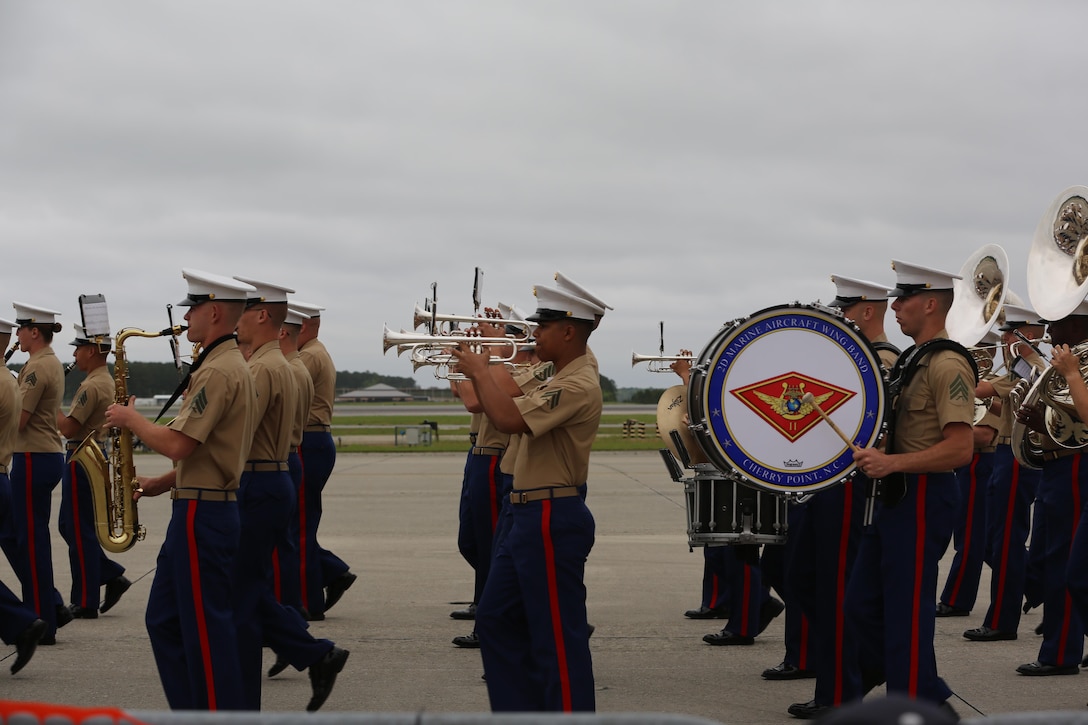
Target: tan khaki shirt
323, 373
488, 436
526, 380
94, 395
1003, 386
887, 357
41, 382
940, 393
219, 412
277, 403
304, 384
563, 416
10, 406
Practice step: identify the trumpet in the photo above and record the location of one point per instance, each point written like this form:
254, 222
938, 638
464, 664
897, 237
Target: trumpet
423, 316
658, 363
405, 340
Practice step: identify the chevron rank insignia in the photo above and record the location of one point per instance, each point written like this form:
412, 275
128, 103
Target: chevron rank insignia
32, 379
958, 390
551, 397
82, 398
200, 402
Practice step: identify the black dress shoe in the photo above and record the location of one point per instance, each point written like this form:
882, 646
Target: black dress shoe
707, 613
114, 589
768, 611
808, 710
336, 588
278, 666
79, 612
47, 640
944, 610
1038, 669
985, 634
467, 641
311, 617
726, 637
64, 616
1039, 628
26, 643
468, 612
323, 676
786, 671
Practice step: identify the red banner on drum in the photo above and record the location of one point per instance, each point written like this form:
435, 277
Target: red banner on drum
779, 402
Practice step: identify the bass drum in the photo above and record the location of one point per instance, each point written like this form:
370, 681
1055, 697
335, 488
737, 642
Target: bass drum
746, 398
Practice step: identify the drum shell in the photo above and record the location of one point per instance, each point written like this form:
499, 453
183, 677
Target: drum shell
786, 343
722, 511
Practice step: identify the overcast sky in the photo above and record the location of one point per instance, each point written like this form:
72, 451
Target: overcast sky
688, 161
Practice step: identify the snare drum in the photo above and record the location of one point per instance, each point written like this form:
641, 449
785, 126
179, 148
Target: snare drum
746, 398
723, 511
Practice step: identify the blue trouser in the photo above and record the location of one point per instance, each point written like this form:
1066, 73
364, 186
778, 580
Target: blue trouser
891, 597
1063, 492
715, 588
265, 502
189, 617
826, 542
479, 514
91, 568
318, 454
531, 620
285, 561
15, 616
1009, 497
969, 533
33, 478
775, 565
747, 593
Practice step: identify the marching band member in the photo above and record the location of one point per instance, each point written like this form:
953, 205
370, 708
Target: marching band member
190, 617
324, 577
1063, 489
826, 538
266, 498
1010, 494
890, 597
531, 620
91, 568
38, 463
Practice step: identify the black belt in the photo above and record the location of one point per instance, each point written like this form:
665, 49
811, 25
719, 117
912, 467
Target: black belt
488, 450
202, 494
541, 494
265, 466
317, 428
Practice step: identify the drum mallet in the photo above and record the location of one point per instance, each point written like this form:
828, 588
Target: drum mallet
811, 400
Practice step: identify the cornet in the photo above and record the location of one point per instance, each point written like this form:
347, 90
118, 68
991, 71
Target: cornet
658, 363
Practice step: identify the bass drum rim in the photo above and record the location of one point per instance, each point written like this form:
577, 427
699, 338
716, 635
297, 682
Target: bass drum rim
703, 376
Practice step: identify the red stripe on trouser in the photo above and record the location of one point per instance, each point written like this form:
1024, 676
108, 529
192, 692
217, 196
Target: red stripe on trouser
802, 657
1067, 605
968, 524
493, 491
919, 560
553, 602
277, 583
713, 590
198, 603
303, 579
746, 588
32, 548
840, 589
1006, 544
77, 532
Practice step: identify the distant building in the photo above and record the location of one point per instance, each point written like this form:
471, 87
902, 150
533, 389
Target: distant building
378, 393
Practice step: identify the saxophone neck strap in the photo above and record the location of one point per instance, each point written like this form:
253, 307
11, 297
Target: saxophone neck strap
184, 384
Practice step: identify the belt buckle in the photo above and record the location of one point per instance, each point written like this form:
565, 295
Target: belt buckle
520, 496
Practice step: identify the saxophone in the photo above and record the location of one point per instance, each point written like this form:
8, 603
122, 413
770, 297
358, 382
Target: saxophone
113, 480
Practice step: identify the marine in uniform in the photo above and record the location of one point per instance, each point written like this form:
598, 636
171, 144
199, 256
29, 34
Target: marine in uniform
1010, 493
190, 617
531, 620
266, 498
825, 540
890, 600
324, 577
19, 624
38, 463
91, 568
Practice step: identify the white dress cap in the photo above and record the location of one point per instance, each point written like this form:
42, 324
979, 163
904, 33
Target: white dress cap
29, 315
266, 291
6, 326
205, 287
849, 291
564, 282
911, 278
294, 317
307, 308
1018, 316
104, 343
556, 304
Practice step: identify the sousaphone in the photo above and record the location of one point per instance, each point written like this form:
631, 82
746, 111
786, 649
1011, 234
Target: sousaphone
980, 295
1058, 258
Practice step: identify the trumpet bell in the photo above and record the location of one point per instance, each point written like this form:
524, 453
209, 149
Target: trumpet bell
1058, 258
980, 295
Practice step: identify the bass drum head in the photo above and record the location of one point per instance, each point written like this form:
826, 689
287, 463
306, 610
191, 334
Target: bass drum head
672, 407
746, 398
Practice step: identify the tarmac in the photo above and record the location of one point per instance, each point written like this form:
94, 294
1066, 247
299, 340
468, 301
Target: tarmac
393, 518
